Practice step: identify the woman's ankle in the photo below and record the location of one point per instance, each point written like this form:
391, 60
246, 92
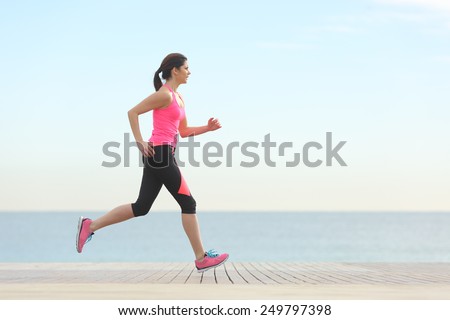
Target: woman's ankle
200, 258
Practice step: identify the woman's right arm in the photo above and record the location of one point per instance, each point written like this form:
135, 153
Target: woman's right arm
159, 99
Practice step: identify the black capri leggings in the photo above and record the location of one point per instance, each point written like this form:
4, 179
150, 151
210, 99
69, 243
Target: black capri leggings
159, 170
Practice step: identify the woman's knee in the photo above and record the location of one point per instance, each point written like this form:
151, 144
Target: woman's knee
188, 205
140, 208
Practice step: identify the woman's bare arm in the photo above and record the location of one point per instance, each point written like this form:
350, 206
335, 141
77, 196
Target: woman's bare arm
185, 131
159, 99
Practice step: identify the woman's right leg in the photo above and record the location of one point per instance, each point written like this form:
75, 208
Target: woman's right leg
150, 187
116, 215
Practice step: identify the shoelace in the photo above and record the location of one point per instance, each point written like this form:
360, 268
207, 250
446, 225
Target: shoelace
211, 253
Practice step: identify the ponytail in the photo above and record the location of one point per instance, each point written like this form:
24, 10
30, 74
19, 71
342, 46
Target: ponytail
173, 60
157, 80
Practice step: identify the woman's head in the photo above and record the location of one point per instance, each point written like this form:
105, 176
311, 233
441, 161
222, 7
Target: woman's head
172, 63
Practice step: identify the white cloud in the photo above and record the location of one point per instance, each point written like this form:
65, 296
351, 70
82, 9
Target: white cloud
442, 58
332, 29
440, 5
279, 45
434, 13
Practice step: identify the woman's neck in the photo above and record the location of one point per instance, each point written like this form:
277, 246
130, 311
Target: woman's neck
172, 84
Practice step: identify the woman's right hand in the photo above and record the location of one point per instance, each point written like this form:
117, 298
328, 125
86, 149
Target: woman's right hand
146, 148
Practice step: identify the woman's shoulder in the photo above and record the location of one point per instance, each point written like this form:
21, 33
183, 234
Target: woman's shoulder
164, 93
163, 97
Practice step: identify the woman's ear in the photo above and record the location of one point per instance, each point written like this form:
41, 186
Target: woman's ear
174, 71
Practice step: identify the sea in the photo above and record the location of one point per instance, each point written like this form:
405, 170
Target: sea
246, 236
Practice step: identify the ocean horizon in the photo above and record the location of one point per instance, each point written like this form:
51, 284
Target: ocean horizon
247, 236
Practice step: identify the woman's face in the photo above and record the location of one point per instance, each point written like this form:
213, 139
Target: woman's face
182, 74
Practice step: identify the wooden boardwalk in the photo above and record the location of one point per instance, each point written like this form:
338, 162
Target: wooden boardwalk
427, 280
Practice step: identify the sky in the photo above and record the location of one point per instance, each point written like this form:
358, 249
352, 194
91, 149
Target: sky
374, 74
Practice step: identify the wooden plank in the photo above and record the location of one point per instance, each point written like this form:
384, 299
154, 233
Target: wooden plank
303, 274
353, 277
166, 268
273, 273
194, 278
417, 276
184, 274
254, 269
234, 275
284, 272
245, 274
374, 275
208, 277
221, 275
137, 276
172, 274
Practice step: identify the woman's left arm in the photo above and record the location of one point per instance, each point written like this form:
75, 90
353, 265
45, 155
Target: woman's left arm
185, 131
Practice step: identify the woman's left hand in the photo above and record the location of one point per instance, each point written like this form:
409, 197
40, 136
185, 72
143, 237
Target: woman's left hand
213, 124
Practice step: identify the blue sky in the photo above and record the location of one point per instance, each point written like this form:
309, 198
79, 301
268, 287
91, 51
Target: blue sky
372, 72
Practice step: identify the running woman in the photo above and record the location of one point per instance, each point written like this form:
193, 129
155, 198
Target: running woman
160, 166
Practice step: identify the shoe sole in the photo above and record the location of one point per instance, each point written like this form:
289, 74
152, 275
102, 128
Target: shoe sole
212, 267
80, 225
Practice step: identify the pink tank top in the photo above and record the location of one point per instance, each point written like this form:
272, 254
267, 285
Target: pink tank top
166, 122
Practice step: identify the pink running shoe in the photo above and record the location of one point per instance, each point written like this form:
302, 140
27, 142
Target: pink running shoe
84, 234
211, 260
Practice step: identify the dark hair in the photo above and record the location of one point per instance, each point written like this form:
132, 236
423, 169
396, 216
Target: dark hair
173, 60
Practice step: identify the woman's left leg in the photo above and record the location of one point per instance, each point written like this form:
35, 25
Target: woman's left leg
170, 176
174, 182
192, 229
